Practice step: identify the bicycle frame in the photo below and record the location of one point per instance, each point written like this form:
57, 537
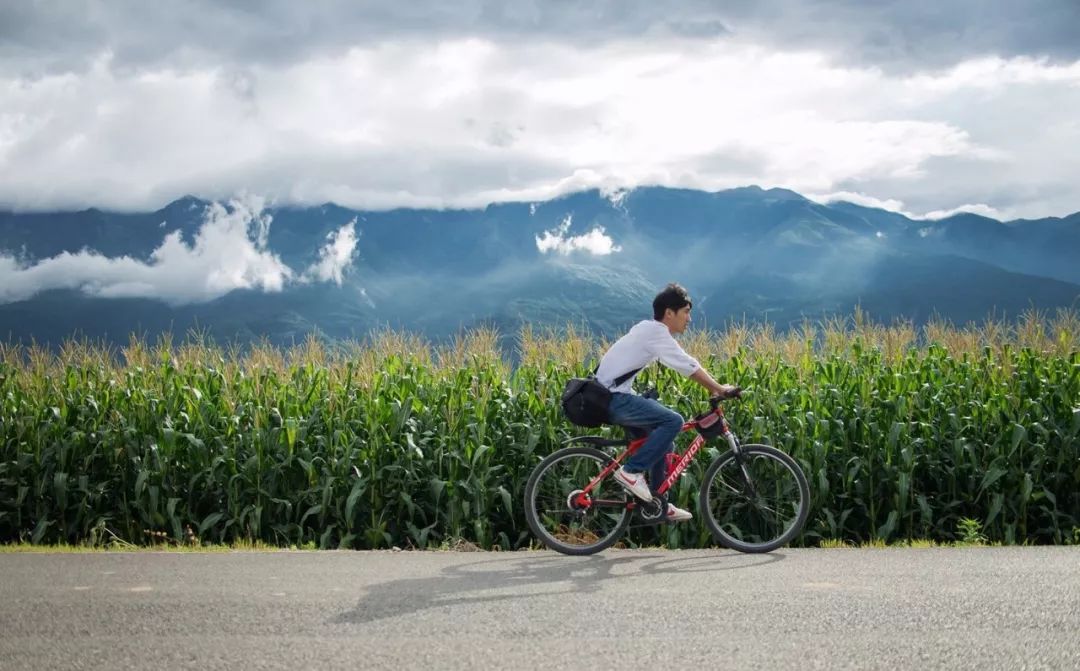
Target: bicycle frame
753, 498
681, 464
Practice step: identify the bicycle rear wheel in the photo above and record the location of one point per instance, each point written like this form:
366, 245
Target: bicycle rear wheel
566, 522
756, 502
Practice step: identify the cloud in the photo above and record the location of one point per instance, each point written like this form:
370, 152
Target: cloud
431, 115
595, 242
335, 256
892, 205
229, 252
894, 34
977, 208
907, 35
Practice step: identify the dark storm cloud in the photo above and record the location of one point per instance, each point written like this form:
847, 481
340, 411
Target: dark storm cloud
918, 34
58, 35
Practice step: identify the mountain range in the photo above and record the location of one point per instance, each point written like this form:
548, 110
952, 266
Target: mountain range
588, 258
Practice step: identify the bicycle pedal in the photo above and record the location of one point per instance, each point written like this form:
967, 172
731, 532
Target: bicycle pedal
654, 511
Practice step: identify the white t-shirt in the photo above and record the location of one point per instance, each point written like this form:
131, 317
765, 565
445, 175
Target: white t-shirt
646, 342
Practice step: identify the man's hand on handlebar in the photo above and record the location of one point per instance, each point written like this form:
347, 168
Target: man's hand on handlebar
719, 391
727, 391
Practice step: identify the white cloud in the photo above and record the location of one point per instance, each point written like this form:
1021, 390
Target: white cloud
897, 206
335, 256
595, 242
228, 252
992, 73
977, 208
617, 197
892, 205
465, 122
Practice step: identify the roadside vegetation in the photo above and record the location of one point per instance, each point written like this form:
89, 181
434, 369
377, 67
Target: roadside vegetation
909, 435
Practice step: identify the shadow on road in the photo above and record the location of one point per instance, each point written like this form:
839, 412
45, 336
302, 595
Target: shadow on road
541, 574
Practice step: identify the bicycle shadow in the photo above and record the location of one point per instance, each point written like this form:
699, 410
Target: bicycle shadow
462, 584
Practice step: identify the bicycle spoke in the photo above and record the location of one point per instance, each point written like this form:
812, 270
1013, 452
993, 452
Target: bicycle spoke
732, 489
754, 500
564, 522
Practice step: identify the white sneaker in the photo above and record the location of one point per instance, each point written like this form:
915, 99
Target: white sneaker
677, 514
633, 483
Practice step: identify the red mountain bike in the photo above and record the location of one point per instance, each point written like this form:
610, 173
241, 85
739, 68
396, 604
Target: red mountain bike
754, 498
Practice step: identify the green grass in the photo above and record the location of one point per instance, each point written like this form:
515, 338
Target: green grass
915, 543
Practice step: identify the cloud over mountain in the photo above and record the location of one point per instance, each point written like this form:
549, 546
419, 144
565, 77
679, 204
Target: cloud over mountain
229, 252
336, 256
595, 241
592, 257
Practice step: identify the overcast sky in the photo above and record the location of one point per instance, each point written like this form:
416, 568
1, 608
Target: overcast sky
923, 107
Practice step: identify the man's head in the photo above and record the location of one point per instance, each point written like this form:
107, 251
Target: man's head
672, 307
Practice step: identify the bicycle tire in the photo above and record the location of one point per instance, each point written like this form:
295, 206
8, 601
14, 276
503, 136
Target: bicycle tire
532, 515
766, 545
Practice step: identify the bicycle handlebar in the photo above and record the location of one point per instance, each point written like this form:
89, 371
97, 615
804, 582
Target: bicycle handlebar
714, 400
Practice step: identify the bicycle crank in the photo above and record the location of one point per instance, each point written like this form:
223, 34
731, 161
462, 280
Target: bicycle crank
654, 511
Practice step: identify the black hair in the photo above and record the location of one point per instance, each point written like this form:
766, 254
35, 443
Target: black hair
672, 296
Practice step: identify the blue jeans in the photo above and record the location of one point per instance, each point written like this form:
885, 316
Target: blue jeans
663, 425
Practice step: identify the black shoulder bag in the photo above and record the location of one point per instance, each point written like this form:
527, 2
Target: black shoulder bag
585, 401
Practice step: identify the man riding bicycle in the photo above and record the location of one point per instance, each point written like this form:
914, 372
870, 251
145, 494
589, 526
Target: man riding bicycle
648, 341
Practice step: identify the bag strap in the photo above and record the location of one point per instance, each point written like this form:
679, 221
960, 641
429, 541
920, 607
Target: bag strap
622, 378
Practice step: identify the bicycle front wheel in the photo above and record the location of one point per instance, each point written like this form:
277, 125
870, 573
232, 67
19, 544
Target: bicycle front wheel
756, 501
565, 519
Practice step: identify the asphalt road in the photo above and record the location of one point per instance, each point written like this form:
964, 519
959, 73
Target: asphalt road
985, 608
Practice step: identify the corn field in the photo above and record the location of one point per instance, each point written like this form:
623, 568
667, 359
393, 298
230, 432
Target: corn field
904, 433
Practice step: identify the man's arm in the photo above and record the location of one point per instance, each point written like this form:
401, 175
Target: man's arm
702, 377
672, 355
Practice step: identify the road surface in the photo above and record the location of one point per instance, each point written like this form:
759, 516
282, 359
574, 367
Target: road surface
948, 608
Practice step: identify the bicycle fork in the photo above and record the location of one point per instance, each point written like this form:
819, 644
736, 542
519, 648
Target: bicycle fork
736, 449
